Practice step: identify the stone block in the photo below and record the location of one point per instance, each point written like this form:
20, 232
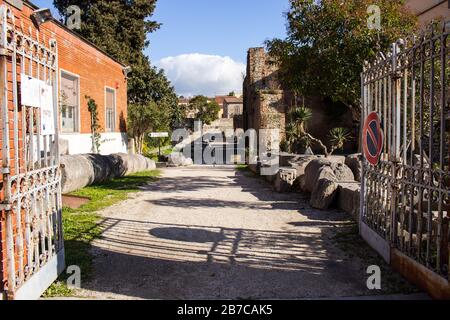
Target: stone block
63, 147
312, 173
79, 171
349, 198
340, 172
324, 194
353, 161
285, 179
177, 159
299, 163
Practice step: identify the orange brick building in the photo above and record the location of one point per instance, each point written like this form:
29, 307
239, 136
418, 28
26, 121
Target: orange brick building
85, 70
429, 10
31, 244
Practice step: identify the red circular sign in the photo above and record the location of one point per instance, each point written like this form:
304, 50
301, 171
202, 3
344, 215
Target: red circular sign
372, 139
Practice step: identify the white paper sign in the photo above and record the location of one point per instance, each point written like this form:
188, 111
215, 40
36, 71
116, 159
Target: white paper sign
47, 114
159, 135
29, 91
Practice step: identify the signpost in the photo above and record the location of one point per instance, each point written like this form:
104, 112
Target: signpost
372, 139
159, 136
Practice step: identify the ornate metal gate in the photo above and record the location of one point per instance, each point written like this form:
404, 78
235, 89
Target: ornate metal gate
405, 199
31, 191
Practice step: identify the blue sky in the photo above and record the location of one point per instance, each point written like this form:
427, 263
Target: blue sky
202, 44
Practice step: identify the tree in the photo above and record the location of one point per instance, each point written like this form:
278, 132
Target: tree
297, 132
95, 126
205, 110
143, 119
328, 42
150, 84
118, 27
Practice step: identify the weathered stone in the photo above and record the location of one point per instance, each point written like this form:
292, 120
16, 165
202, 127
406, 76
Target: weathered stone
324, 194
188, 162
79, 171
339, 172
285, 179
326, 173
337, 159
76, 173
349, 198
302, 183
299, 163
63, 147
342, 172
177, 159
312, 173
353, 161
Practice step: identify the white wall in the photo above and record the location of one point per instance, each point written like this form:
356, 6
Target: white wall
115, 142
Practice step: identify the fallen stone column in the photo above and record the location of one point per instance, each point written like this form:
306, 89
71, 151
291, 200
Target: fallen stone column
79, 171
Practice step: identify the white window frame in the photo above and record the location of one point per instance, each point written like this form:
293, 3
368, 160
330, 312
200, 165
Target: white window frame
78, 123
115, 110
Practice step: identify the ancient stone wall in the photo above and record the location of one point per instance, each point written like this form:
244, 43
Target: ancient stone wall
264, 101
266, 104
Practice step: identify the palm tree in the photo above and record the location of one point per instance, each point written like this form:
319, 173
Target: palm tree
299, 117
338, 137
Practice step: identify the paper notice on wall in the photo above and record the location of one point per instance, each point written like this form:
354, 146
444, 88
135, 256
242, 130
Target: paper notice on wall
47, 114
29, 91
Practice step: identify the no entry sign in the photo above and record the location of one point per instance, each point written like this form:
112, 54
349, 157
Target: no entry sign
372, 138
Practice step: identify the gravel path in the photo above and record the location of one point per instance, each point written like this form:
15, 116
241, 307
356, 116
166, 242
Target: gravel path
205, 233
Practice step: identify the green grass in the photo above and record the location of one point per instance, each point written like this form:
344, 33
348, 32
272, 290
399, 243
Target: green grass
81, 226
165, 151
242, 167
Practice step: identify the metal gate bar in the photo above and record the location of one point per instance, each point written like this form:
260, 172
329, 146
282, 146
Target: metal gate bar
31, 175
406, 197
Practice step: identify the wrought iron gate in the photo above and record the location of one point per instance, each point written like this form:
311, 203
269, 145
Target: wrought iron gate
31, 191
405, 199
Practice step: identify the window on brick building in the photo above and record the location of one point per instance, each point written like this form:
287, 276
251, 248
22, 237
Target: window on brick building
70, 99
110, 110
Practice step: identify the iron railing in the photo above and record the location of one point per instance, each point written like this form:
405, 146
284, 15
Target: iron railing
31, 189
406, 197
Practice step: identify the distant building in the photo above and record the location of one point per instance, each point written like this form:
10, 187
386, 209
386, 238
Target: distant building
429, 10
232, 106
220, 100
182, 101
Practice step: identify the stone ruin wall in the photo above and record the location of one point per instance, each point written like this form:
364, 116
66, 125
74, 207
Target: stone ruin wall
266, 103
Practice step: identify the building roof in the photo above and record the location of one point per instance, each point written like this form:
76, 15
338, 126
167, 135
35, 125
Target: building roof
220, 99
234, 100
61, 25
183, 100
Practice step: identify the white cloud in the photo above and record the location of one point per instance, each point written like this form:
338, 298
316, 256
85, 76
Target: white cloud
210, 75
